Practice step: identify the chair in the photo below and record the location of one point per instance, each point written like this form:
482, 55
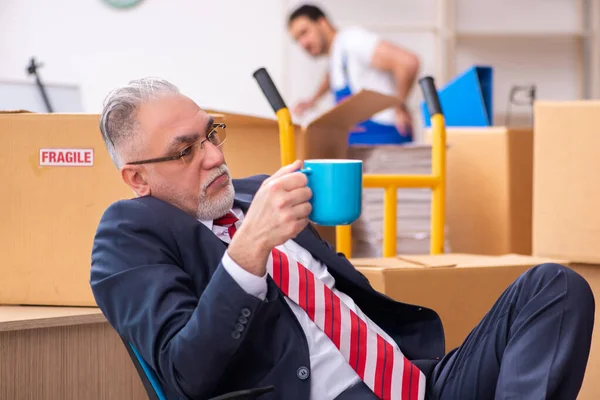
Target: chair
156, 392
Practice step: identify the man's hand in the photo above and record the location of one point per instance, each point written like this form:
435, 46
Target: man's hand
403, 121
302, 107
279, 211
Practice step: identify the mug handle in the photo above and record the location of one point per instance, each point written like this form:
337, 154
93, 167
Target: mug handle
305, 171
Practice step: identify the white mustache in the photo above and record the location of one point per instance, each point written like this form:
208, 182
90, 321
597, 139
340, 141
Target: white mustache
217, 172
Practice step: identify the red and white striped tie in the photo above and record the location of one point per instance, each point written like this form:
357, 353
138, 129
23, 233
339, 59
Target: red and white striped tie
379, 363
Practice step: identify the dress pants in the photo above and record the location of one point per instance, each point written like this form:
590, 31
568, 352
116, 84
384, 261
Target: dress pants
532, 345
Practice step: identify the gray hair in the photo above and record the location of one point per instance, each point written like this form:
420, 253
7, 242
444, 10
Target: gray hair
118, 118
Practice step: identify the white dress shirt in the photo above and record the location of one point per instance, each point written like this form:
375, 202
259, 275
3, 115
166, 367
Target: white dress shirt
331, 374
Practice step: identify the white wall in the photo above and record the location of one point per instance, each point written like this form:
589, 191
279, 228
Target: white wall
193, 43
190, 42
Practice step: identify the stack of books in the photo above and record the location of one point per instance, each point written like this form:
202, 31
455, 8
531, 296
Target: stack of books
413, 205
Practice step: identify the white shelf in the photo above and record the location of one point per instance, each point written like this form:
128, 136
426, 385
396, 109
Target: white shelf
519, 35
584, 38
395, 28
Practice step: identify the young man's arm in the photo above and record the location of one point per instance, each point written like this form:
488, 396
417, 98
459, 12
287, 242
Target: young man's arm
404, 65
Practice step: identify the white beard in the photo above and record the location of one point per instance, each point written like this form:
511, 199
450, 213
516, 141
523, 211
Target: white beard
219, 206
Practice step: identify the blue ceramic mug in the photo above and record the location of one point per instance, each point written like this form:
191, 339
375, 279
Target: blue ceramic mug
336, 190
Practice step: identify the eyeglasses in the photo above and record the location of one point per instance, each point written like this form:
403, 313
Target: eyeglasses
216, 136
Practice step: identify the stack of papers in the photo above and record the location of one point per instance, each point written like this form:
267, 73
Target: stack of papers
413, 205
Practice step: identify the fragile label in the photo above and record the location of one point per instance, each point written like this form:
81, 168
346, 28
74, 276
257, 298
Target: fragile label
67, 157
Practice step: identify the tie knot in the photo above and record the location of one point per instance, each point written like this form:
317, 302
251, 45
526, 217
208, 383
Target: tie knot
226, 220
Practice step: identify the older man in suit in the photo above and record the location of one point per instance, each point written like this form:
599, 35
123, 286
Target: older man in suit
223, 285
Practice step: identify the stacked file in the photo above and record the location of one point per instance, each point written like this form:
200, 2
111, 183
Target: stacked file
413, 205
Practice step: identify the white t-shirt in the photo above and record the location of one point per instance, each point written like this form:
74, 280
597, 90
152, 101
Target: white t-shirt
350, 67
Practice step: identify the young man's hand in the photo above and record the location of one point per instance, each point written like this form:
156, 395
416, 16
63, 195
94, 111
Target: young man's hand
403, 121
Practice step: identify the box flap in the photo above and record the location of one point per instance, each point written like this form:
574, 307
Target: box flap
440, 260
383, 263
354, 109
246, 120
459, 260
452, 260
518, 259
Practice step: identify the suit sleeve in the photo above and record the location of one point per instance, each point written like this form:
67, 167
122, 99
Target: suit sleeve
186, 334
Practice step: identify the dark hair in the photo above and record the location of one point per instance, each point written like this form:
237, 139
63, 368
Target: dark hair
309, 11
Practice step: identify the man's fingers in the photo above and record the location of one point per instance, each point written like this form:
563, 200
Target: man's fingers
300, 195
302, 210
286, 169
291, 181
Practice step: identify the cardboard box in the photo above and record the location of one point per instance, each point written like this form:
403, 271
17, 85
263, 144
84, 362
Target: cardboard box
461, 288
489, 190
252, 144
566, 216
591, 386
57, 181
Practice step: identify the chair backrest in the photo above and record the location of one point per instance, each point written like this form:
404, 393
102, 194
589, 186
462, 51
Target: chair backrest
156, 392
147, 374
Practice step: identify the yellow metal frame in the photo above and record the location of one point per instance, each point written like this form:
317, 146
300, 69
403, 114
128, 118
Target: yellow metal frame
436, 181
286, 136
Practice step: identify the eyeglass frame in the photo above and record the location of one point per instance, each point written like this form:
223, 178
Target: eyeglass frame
181, 155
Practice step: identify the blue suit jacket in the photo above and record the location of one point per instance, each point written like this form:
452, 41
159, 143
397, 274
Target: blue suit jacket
157, 276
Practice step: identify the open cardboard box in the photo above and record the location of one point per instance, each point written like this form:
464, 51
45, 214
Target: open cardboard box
461, 288
252, 144
327, 135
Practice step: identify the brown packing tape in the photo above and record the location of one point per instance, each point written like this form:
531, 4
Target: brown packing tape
511, 260
384, 263
519, 258
15, 112
441, 260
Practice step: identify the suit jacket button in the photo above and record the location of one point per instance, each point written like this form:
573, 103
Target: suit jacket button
246, 312
243, 320
239, 327
302, 373
236, 335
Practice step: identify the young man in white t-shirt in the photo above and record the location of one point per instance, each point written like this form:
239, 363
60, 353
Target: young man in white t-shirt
358, 59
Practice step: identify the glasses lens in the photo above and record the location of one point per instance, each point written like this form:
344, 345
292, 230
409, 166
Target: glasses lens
218, 135
188, 153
